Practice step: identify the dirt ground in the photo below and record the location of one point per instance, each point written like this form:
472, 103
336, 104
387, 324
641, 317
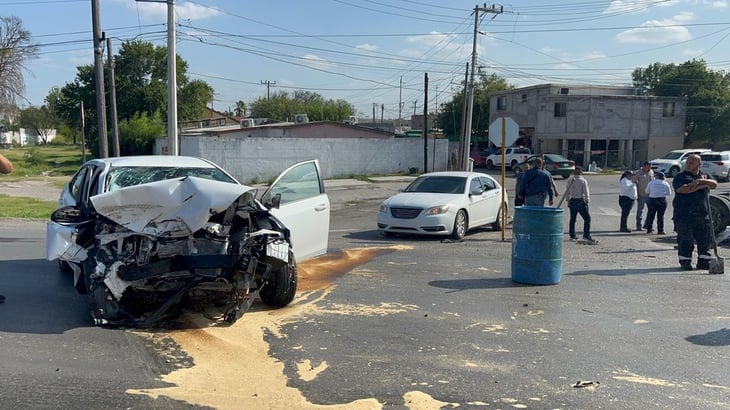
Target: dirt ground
46, 189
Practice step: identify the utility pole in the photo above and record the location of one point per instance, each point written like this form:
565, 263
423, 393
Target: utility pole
268, 86
464, 108
425, 122
470, 110
382, 111
99, 78
400, 99
374, 107
414, 107
172, 145
112, 98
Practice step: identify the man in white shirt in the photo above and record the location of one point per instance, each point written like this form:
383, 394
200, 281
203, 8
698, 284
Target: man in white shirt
578, 198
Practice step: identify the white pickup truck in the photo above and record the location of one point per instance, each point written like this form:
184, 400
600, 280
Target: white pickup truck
512, 157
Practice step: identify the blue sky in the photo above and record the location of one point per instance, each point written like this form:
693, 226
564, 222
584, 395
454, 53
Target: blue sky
375, 52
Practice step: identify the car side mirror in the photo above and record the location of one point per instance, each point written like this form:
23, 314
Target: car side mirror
476, 191
67, 215
275, 202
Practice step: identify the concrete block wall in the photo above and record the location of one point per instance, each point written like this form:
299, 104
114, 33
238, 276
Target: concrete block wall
260, 159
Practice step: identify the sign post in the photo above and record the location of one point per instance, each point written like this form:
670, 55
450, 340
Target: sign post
503, 132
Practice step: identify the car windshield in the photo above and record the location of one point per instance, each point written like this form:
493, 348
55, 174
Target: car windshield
672, 155
130, 176
438, 185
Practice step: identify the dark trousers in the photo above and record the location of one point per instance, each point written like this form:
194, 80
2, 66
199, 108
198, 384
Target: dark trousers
579, 206
626, 204
689, 232
656, 206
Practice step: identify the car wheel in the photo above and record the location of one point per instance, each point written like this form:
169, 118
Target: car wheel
279, 291
565, 176
497, 224
673, 171
104, 307
720, 212
461, 223
387, 234
490, 164
513, 164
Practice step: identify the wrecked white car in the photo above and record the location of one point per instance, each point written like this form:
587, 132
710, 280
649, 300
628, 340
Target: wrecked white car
146, 236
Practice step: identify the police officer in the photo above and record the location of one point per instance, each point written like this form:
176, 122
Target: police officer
692, 214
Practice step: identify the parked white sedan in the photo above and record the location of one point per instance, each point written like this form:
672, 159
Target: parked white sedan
444, 203
147, 235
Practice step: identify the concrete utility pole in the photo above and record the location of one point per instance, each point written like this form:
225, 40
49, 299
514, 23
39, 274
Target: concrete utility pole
425, 122
99, 79
172, 145
468, 128
268, 87
112, 98
400, 99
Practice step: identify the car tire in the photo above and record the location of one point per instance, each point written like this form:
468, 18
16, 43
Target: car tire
673, 171
104, 307
387, 234
490, 164
565, 176
281, 287
497, 224
461, 225
513, 164
720, 212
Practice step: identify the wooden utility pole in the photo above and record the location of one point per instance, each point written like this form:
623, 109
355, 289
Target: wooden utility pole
99, 79
268, 86
470, 109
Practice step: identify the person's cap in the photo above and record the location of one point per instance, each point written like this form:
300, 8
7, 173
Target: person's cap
647, 163
659, 175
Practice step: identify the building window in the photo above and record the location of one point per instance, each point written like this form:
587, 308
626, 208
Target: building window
668, 109
501, 103
564, 91
560, 109
524, 98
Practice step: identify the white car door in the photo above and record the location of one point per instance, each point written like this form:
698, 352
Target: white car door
304, 208
478, 203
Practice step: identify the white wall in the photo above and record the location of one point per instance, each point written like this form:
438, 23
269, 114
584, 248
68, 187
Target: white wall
259, 159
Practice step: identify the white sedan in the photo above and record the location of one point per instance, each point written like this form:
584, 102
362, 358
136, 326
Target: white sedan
444, 203
147, 235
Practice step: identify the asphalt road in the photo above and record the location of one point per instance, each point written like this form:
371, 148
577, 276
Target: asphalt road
404, 322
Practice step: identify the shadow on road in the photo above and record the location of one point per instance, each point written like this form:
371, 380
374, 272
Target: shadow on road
466, 284
715, 338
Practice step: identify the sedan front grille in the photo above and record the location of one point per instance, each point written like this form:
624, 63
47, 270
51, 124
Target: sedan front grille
405, 213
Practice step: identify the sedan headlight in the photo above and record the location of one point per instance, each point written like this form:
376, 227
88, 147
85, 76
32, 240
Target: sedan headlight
437, 210
383, 208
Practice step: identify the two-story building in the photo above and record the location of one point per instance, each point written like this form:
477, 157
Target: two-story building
611, 126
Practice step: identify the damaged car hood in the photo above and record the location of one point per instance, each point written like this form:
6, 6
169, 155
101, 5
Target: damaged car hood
173, 207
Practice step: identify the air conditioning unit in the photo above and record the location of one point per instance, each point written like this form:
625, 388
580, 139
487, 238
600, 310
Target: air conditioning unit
301, 119
247, 123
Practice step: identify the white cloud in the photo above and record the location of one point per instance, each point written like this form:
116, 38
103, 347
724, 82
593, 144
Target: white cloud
659, 31
444, 46
314, 61
366, 47
718, 4
636, 6
183, 11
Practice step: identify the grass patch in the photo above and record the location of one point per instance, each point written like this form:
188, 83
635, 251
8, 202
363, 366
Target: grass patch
28, 208
44, 160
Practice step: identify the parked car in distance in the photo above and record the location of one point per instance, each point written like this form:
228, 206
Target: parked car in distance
479, 160
716, 164
674, 162
146, 236
554, 163
443, 203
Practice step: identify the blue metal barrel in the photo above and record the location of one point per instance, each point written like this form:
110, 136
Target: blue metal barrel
537, 245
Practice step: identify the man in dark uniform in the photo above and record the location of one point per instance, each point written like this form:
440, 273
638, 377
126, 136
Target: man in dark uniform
536, 185
692, 214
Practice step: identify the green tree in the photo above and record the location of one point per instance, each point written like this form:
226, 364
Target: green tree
16, 49
137, 135
282, 107
707, 92
449, 118
41, 119
240, 110
141, 87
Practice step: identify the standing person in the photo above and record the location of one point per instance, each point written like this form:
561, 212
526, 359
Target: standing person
578, 198
642, 177
626, 197
520, 200
692, 214
6, 167
536, 185
658, 190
